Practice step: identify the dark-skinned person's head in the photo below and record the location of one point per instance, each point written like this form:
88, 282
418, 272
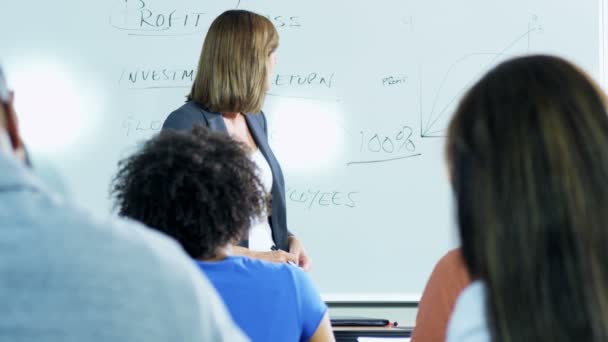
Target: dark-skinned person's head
198, 187
528, 156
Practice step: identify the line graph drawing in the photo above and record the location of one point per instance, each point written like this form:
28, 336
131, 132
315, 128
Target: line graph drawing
431, 123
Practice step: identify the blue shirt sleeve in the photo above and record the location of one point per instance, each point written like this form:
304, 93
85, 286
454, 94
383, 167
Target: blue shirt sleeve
311, 307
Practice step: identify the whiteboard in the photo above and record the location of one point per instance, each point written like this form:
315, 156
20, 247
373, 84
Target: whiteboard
361, 97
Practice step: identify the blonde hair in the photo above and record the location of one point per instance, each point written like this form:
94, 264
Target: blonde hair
232, 69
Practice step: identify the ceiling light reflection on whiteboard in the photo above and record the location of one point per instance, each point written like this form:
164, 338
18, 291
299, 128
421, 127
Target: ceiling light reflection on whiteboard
55, 107
306, 136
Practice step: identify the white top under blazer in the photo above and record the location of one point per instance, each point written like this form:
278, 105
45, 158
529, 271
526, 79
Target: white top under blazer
260, 233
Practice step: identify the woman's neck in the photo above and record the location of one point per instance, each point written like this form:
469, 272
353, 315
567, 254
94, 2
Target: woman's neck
230, 115
221, 253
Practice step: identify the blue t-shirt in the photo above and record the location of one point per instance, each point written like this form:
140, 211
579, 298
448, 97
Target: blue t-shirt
270, 302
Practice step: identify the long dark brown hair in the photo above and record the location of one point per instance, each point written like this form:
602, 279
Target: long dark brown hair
528, 151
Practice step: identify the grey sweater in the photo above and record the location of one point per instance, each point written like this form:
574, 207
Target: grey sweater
67, 276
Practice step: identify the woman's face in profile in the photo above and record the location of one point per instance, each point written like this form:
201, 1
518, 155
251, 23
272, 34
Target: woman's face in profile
270, 63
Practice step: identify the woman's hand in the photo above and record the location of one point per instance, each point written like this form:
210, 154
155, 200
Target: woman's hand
296, 248
277, 256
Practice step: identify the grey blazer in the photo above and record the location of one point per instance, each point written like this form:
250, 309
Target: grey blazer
192, 113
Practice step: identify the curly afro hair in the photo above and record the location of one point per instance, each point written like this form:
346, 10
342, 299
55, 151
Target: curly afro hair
198, 187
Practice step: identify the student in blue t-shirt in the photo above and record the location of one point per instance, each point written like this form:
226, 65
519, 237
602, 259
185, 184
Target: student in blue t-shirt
202, 188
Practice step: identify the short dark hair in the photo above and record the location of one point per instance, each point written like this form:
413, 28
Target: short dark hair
198, 187
528, 151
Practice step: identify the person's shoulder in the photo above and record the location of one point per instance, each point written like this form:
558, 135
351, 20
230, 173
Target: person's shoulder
260, 117
137, 260
452, 266
189, 106
451, 258
259, 120
261, 265
307, 301
302, 282
135, 237
119, 234
192, 293
468, 321
185, 116
266, 270
470, 302
290, 276
122, 237
447, 280
152, 241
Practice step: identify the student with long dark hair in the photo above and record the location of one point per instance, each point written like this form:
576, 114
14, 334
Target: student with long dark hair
528, 152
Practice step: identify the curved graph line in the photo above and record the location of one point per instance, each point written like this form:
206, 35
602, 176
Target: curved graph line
429, 123
444, 81
432, 120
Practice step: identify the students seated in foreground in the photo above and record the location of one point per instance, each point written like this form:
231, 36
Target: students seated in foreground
68, 276
201, 188
528, 151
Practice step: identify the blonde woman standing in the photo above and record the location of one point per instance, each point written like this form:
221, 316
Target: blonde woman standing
233, 75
